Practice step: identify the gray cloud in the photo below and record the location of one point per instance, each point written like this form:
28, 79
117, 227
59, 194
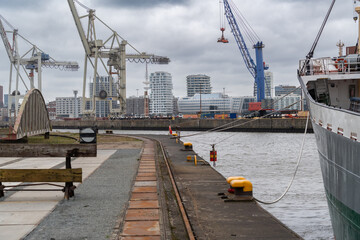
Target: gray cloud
186, 31
139, 3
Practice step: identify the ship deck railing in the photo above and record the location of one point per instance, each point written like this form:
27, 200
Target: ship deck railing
330, 66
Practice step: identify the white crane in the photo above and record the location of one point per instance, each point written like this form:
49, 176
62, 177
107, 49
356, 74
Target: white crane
31, 62
112, 49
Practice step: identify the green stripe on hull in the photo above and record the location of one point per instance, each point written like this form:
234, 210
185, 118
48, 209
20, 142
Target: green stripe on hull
345, 221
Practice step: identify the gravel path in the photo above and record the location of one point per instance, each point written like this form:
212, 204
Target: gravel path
98, 204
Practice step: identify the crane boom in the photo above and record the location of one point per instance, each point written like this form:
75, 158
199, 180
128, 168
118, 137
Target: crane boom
256, 70
6, 42
31, 62
79, 27
112, 49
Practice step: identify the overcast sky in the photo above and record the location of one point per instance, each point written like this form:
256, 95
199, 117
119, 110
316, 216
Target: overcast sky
186, 31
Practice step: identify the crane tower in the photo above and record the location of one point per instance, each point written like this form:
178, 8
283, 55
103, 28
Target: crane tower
31, 62
114, 50
236, 19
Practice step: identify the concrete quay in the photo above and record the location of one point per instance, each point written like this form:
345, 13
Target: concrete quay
127, 194
210, 216
235, 125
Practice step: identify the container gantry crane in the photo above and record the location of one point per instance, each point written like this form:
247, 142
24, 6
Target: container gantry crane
112, 49
31, 62
255, 69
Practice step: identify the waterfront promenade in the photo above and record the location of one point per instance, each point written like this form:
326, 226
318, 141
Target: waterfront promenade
129, 183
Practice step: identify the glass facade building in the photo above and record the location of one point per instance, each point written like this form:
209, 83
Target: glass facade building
216, 103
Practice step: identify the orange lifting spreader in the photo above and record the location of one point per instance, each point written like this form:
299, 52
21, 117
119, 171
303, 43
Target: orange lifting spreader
222, 39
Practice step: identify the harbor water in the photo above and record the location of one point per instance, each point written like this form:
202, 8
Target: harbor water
268, 160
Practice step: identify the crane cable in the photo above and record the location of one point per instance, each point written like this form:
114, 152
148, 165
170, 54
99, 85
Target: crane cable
224, 127
246, 27
296, 168
222, 15
222, 140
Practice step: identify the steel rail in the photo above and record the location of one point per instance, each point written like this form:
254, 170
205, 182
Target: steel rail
178, 198
184, 216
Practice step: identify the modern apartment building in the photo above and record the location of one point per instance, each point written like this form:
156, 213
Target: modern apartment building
199, 83
65, 107
161, 96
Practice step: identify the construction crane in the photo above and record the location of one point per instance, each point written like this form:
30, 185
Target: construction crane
31, 62
112, 49
233, 16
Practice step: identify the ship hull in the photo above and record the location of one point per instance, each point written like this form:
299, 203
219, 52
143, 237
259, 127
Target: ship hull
340, 166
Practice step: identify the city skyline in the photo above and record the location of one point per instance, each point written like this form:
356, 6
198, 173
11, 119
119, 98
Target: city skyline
188, 37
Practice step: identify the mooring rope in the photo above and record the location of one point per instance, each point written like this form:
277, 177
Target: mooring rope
296, 168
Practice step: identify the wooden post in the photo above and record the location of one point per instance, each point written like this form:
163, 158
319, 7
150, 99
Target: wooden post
69, 186
1, 190
47, 135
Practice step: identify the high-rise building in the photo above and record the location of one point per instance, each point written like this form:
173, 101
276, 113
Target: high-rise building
102, 87
269, 84
199, 83
269, 81
161, 96
135, 106
1, 96
281, 90
6, 100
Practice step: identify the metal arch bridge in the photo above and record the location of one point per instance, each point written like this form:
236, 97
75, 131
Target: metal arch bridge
33, 118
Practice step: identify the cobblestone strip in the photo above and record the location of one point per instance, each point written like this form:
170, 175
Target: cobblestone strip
142, 219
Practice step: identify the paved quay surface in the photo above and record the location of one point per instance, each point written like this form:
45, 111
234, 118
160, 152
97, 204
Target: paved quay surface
127, 194
93, 213
99, 202
21, 212
209, 215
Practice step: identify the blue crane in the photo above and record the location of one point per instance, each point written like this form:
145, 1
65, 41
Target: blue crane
256, 70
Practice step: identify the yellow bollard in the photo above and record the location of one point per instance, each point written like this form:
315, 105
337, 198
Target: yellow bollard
188, 158
188, 146
195, 160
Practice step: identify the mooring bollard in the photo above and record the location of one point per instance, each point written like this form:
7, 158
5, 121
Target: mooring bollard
188, 146
241, 187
